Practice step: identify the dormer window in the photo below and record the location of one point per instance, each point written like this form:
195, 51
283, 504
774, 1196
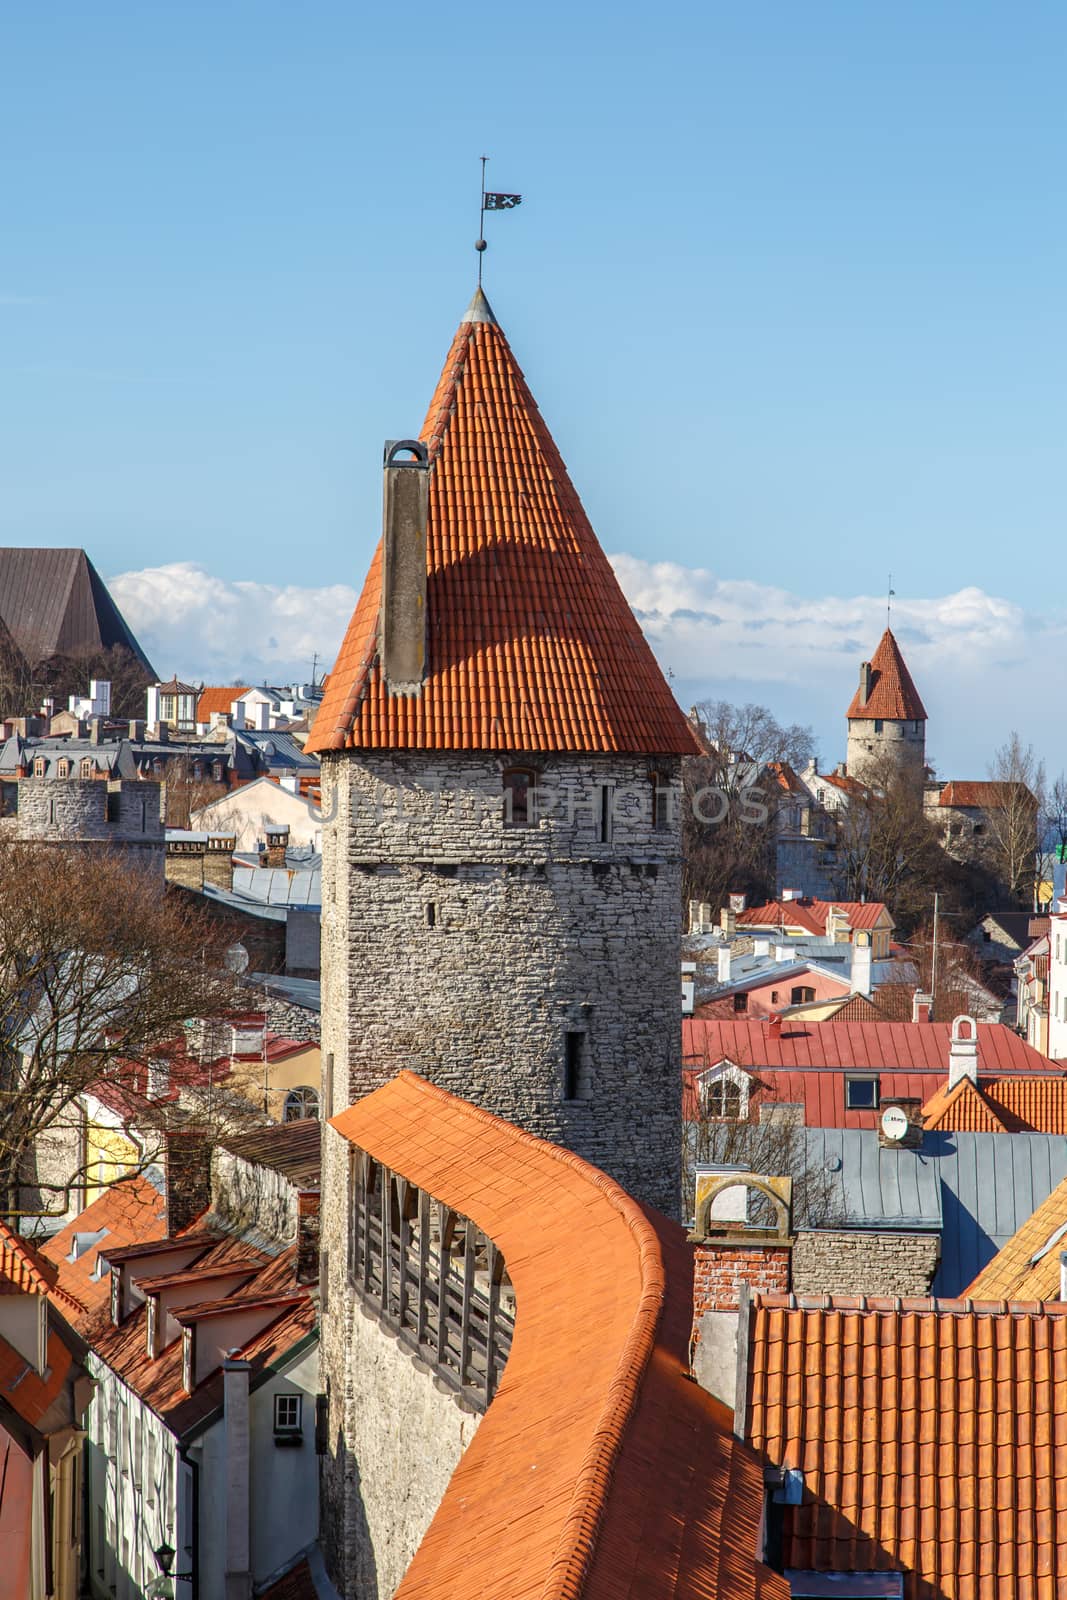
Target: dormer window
519, 786
87, 767
38, 766
63, 768
216, 771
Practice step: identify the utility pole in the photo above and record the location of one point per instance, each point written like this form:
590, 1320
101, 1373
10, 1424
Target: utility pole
933, 960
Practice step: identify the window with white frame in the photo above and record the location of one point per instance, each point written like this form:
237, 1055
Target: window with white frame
287, 1414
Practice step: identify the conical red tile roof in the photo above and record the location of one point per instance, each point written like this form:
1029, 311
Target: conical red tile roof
893, 695
531, 644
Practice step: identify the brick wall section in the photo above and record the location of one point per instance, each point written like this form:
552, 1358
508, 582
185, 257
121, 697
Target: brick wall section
865, 1263
719, 1272
533, 933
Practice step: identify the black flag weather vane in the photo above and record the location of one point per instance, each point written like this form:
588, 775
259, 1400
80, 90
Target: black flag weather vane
491, 201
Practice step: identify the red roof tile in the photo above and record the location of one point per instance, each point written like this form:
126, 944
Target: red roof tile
27, 1392
929, 1436
810, 915
127, 1213
23, 1269
1028, 1266
600, 1469
214, 700
893, 695
980, 795
1000, 1105
531, 643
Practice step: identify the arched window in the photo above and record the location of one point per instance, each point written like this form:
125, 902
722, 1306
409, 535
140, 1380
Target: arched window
722, 1098
519, 810
300, 1104
801, 995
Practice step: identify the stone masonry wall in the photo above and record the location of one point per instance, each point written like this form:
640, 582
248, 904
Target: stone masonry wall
865, 1263
394, 1437
467, 950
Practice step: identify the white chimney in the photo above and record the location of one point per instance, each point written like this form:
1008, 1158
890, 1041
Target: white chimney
861, 963
791, 894
152, 705
963, 1051
761, 947
261, 715
782, 952
921, 1007
725, 955
238, 1580
100, 695
237, 714
728, 921
689, 969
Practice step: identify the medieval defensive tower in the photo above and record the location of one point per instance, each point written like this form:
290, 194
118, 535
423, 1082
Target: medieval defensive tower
500, 758
886, 720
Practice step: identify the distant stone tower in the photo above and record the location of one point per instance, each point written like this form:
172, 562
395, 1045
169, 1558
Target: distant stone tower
886, 720
500, 757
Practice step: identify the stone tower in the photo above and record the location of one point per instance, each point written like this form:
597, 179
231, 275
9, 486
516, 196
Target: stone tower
886, 720
500, 760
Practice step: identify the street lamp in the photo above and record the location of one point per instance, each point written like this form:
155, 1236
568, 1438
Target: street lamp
163, 1587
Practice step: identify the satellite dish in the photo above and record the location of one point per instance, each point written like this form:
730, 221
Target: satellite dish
236, 959
894, 1122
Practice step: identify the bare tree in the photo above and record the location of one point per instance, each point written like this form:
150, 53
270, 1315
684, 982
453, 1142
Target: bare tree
888, 849
731, 798
1017, 800
187, 790
100, 971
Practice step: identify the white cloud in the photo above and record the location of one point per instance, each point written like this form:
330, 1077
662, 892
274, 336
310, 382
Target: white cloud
980, 662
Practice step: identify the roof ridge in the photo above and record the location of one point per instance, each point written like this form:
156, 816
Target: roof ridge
920, 1305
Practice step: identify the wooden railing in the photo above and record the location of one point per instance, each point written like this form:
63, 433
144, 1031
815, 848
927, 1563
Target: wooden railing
432, 1278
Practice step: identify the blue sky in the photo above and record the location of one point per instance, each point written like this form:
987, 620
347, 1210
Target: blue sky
787, 282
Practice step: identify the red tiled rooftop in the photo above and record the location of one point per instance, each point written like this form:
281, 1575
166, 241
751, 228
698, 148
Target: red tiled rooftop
893, 695
919, 1047
600, 1469
810, 915
980, 795
26, 1391
531, 643
127, 1213
929, 1435
1028, 1266
1000, 1105
213, 700
23, 1269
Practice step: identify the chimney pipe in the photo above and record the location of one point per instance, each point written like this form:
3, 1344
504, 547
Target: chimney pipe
406, 496
187, 1170
963, 1051
861, 976
238, 1579
724, 955
921, 1005
865, 682
307, 1236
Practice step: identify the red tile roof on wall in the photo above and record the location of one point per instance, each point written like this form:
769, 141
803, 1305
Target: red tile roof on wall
600, 1470
23, 1269
213, 700
27, 1392
929, 1435
531, 643
810, 915
1000, 1105
893, 695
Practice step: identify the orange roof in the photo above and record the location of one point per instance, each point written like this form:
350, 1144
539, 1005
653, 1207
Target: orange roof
999, 1105
978, 794
531, 643
810, 915
600, 1469
893, 695
213, 700
23, 1270
27, 1392
1028, 1266
929, 1436
126, 1213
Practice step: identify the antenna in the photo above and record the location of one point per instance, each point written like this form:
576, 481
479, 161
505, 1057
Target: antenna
479, 243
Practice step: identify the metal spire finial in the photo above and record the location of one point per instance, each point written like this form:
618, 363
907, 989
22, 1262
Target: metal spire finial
490, 201
889, 601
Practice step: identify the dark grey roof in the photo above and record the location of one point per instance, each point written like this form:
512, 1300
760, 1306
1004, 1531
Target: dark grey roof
981, 1187
54, 602
306, 992
278, 749
291, 1148
279, 886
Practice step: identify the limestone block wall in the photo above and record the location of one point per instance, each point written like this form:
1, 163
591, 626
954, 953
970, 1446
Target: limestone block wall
467, 950
903, 743
865, 1263
394, 1437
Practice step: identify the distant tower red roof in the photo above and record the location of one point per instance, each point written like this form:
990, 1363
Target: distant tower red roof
531, 643
892, 696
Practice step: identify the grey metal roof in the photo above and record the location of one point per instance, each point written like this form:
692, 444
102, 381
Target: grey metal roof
306, 992
279, 886
981, 1187
278, 749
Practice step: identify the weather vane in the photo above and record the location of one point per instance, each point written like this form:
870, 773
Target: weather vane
889, 600
491, 202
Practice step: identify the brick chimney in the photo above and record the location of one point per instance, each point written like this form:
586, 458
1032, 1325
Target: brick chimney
187, 1174
865, 682
963, 1051
728, 921
218, 860
406, 493
921, 1007
277, 845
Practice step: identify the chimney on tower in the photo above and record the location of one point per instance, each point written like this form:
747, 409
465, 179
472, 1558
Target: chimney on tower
406, 495
865, 682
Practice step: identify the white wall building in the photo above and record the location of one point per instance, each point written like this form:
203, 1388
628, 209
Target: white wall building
249, 811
